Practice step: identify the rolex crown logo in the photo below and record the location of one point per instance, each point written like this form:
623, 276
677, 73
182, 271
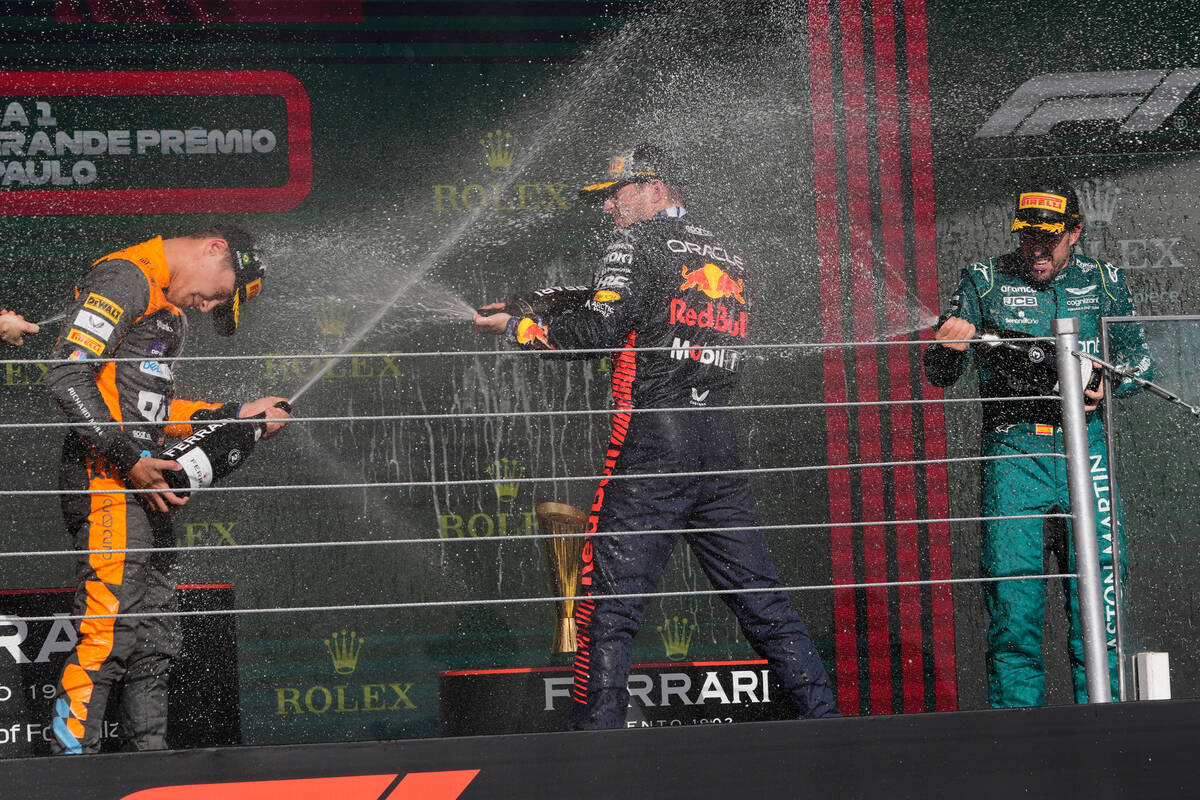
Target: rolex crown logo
332, 317
501, 149
344, 648
1098, 200
677, 634
506, 471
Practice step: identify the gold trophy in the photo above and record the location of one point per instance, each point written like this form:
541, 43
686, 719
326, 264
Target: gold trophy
563, 552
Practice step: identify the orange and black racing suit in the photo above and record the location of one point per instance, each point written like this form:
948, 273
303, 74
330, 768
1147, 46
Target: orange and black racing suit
667, 283
119, 312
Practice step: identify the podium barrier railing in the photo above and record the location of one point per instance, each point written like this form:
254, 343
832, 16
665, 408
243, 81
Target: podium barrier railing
1082, 512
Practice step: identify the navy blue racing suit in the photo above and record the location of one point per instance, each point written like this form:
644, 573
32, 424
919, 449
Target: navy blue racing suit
666, 282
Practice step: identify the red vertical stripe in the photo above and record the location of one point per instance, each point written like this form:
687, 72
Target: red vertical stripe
829, 268
862, 267
891, 207
623, 376
937, 502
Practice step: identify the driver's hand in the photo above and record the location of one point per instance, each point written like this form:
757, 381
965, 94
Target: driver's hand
1092, 398
147, 473
494, 324
276, 417
955, 328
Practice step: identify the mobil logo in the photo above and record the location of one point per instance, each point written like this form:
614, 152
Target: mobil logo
713, 281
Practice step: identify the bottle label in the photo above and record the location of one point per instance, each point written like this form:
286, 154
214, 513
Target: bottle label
197, 467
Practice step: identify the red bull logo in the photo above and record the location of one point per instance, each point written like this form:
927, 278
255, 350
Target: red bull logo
714, 316
529, 332
713, 281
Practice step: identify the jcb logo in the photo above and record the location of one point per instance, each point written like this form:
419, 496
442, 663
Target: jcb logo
1141, 100
1020, 300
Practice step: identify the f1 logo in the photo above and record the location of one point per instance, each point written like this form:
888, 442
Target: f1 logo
412, 786
1140, 99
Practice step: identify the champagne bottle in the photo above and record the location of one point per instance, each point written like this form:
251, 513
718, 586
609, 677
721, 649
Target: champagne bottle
213, 451
544, 302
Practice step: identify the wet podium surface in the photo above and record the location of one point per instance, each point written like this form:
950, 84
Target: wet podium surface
1120, 750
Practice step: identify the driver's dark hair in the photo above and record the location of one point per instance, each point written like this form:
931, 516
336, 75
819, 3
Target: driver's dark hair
237, 238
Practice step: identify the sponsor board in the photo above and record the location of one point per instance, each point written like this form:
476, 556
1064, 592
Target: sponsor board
500, 149
202, 708
93, 142
30, 374
206, 534
353, 368
507, 474
1099, 200
671, 694
339, 683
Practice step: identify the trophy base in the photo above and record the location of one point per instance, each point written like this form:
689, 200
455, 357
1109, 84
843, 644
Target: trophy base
565, 640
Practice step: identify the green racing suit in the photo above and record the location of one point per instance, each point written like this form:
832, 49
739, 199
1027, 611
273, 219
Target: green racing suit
994, 295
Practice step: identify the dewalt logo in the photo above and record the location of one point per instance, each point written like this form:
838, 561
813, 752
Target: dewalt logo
104, 307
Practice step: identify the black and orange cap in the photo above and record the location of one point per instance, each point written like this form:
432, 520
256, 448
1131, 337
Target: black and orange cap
642, 164
250, 268
1047, 205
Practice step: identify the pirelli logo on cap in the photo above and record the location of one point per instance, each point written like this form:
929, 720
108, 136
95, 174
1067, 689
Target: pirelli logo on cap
105, 307
253, 288
616, 165
1042, 200
86, 341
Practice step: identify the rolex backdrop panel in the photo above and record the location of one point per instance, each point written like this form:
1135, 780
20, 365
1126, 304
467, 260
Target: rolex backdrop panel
444, 152
1105, 93
1156, 447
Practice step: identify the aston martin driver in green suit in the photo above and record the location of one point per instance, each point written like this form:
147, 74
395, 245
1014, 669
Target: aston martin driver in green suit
1013, 296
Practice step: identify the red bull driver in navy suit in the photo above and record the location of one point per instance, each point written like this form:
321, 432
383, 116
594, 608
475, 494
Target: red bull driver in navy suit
665, 281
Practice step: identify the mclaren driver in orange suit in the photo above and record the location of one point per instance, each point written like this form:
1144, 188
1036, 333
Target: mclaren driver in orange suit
129, 306
665, 281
